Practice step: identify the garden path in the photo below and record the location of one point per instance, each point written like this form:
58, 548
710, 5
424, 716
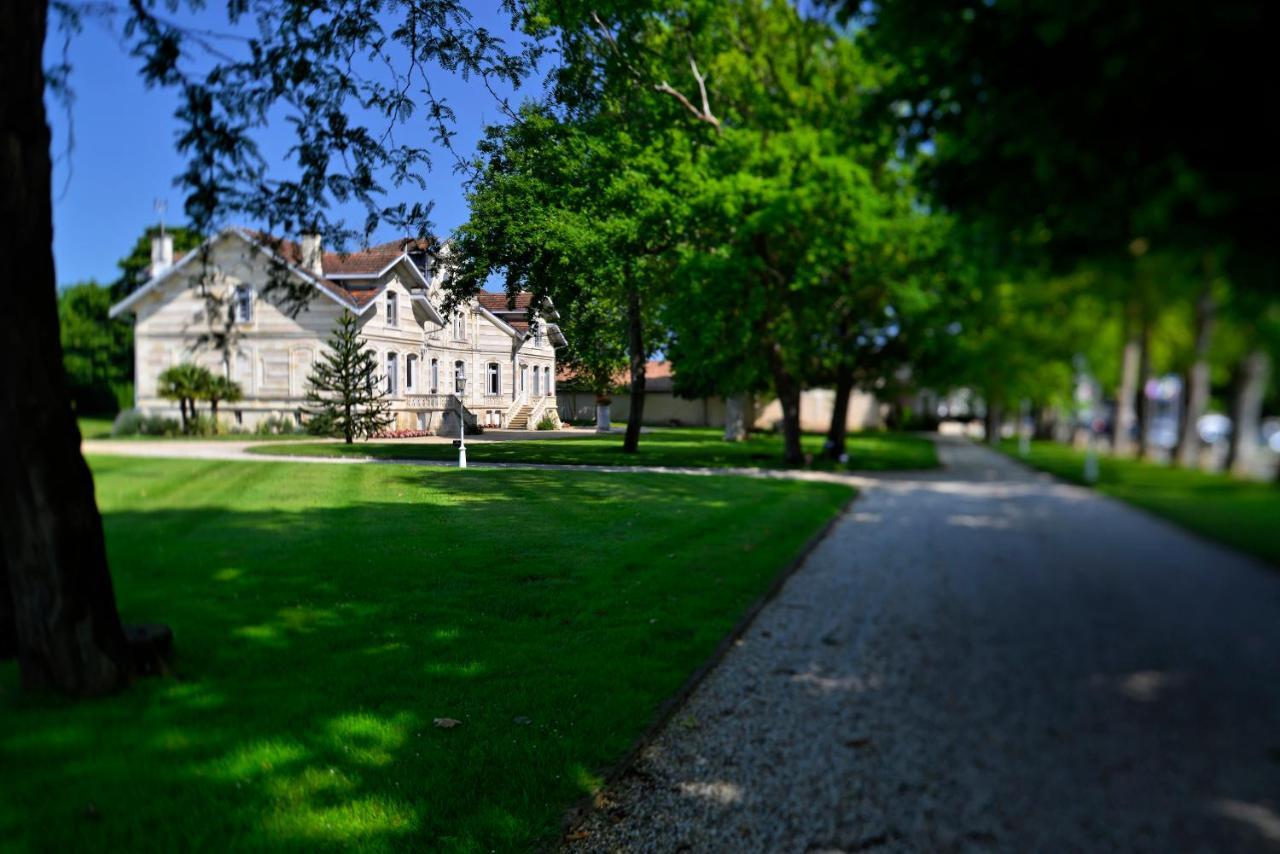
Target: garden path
979, 658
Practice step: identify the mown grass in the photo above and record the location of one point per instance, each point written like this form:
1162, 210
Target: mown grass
675, 446
1239, 513
95, 426
325, 615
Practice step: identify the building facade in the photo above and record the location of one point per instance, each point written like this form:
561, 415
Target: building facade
505, 351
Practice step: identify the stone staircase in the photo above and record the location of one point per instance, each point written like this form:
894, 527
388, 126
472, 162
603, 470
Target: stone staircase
520, 421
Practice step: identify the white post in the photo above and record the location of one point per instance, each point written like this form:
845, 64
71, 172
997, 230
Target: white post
460, 383
1091, 449
735, 418
462, 437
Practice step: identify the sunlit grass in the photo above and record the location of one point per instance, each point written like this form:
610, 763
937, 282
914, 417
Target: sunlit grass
1243, 514
324, 617
666, 446
95, 427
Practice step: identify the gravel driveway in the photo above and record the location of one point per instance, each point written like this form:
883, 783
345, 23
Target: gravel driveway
980, 659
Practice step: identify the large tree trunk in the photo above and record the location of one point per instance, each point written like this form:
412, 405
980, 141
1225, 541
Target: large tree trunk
839, 428
1197, 399
1145, 404
1246, 412
994, 421
638, 356
604, 418
60, 608
788, 391
1126, 397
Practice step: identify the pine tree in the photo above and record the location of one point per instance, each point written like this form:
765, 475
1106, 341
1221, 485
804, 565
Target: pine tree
345, 395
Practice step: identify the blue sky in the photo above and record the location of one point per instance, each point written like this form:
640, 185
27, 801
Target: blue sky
124, 159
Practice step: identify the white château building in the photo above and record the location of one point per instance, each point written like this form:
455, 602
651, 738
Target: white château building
507, 353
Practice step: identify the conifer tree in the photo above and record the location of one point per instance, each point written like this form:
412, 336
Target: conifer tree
345, 395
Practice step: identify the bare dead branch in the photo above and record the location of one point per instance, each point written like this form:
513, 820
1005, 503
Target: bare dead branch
707, 115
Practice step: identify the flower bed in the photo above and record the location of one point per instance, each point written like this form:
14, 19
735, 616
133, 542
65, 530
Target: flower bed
402, 434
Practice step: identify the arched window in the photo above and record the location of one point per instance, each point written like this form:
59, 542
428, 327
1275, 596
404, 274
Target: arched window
411, 372
435, 376
242, 303
459, 372
546, 380
537, 380
460, 326
393, 368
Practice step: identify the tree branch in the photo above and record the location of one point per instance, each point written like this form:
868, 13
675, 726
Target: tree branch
702, 115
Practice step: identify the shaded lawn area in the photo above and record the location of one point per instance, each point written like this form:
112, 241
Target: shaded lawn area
1239, 513
95, 426
674, 446
325, 615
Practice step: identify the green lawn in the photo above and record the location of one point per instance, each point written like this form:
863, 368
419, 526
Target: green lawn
674, 446
95, 426
1239, 513
325, 615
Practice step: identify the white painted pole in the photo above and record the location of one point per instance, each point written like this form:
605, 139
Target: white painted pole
462, 433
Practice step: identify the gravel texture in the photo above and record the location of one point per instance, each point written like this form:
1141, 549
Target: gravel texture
979, 659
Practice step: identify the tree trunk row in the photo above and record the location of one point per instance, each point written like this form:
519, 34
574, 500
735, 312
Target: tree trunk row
1197, 393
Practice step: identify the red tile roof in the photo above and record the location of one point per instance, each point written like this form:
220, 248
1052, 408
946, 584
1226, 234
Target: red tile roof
501, 304
365, 262
657, 375
514, 313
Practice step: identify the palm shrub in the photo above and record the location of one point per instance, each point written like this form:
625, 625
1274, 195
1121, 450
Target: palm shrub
185, 383
219, 388
345, 395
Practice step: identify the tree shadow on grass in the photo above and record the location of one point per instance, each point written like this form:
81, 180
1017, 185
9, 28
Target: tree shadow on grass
314, 649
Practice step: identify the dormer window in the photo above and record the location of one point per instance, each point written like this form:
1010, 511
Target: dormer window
391, 308
242, 304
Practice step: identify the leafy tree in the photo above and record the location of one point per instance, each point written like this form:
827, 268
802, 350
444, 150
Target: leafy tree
97, 352
1151, 159
185, 383
579, 211
57, 605
345, 395
134, 267
766, 299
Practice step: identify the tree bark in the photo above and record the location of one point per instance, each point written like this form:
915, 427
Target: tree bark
1246, 412
839, 428
1197, 399
788, 391
638, 355
994, 421
61, 607
1126, 397
1144, 377
603, 416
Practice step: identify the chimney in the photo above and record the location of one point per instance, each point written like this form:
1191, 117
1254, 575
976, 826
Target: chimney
312, 255
161, 253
